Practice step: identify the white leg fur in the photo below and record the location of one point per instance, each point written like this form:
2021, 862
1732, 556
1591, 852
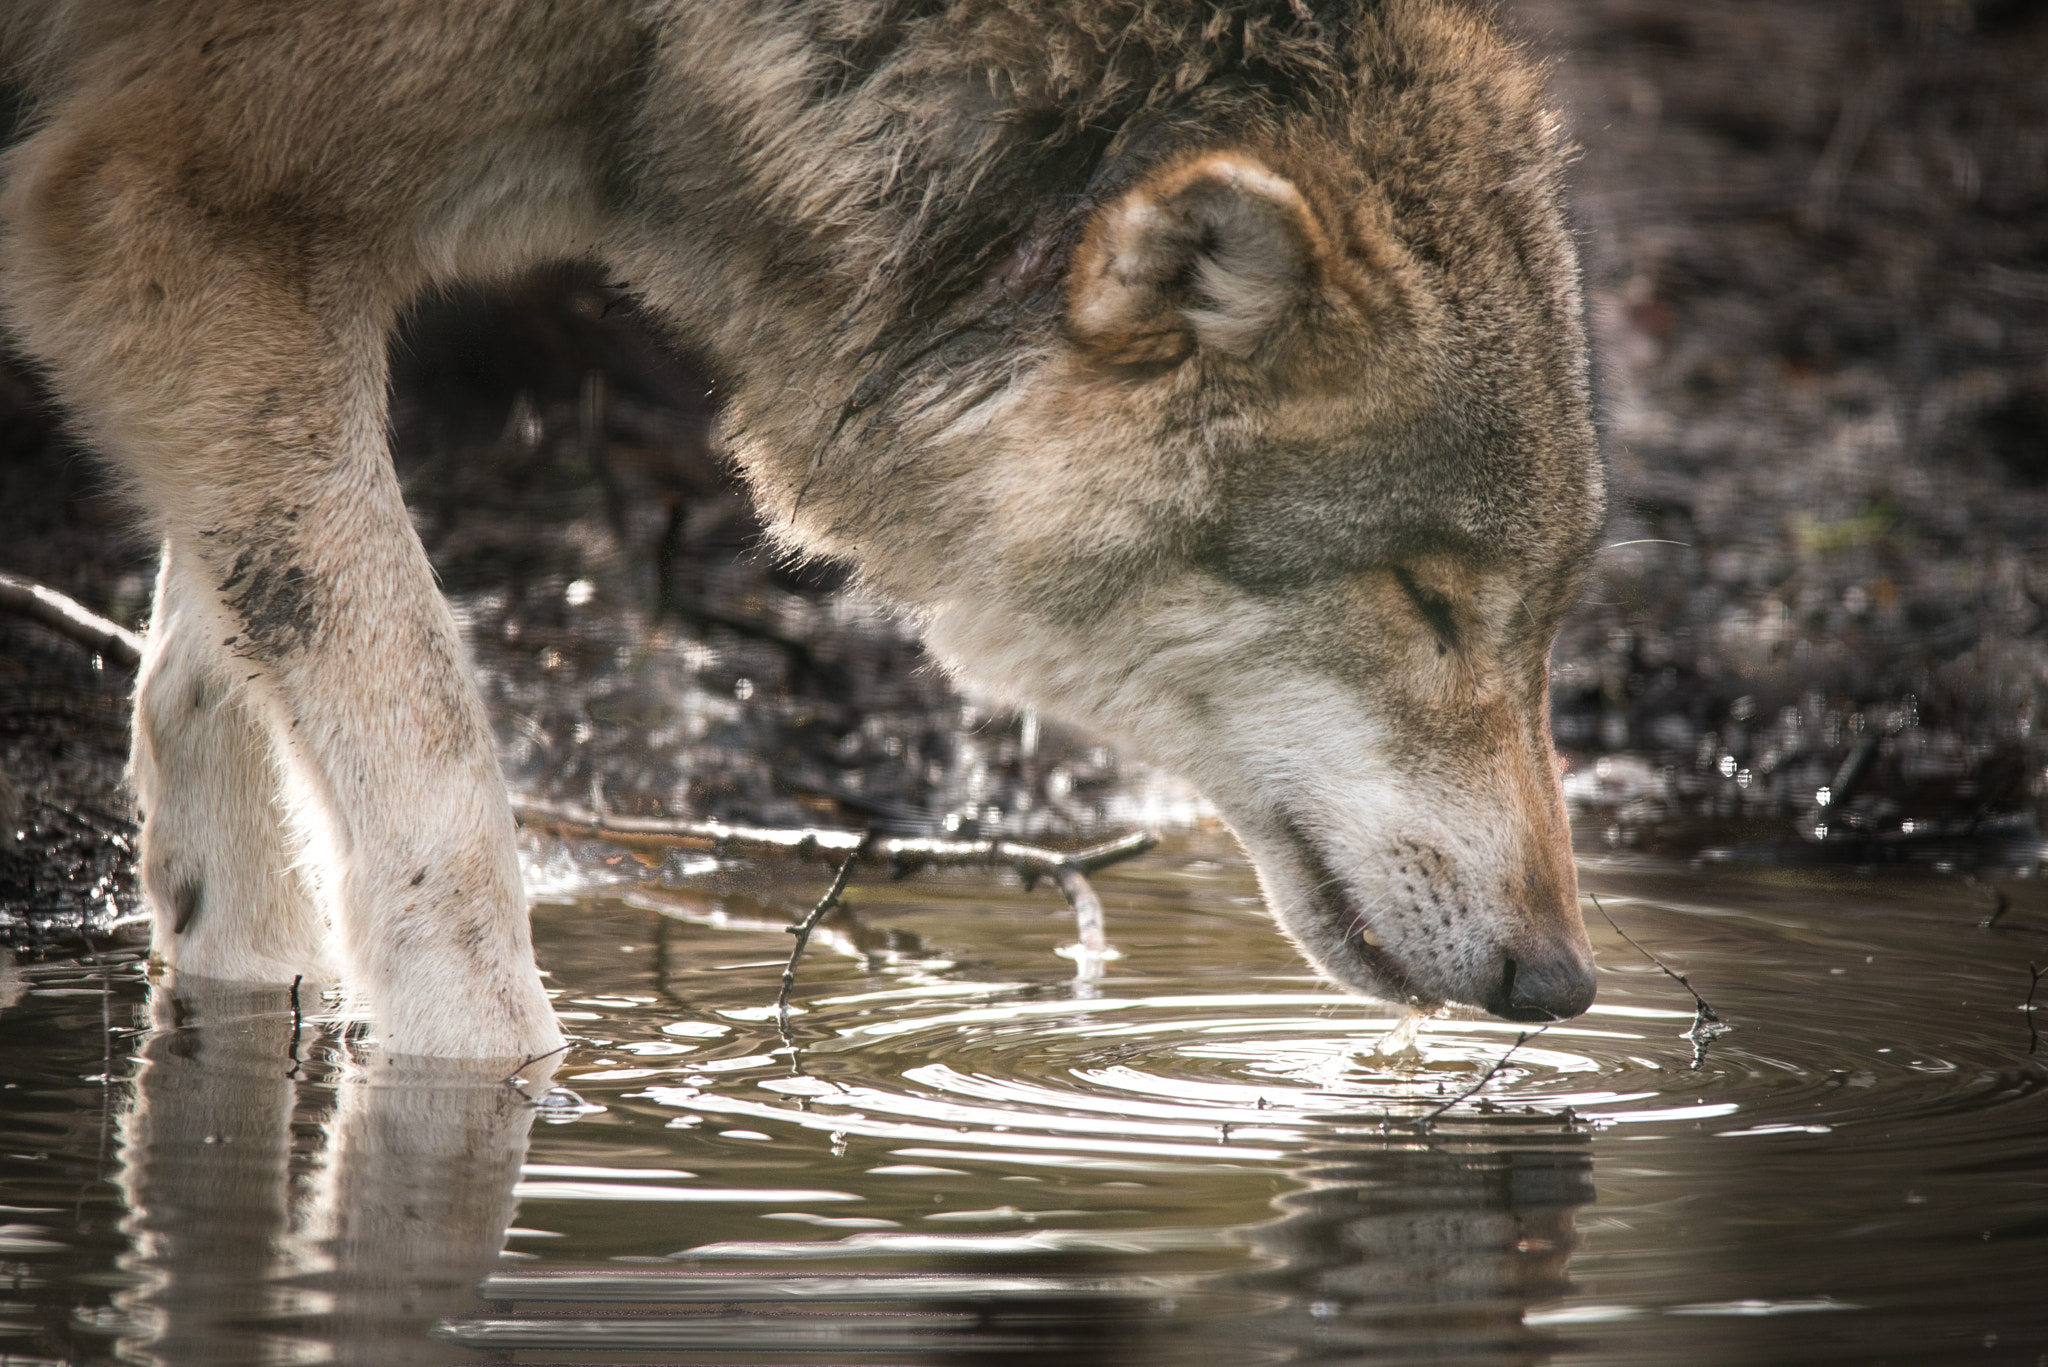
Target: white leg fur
228, 356
218, 871
373, 721
388, 747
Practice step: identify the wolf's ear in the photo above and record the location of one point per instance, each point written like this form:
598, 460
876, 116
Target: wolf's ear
1215, 254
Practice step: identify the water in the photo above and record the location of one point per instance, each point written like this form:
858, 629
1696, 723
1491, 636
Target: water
971, 1156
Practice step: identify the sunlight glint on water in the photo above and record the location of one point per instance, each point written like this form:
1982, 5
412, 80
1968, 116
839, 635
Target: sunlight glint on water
1199, 1157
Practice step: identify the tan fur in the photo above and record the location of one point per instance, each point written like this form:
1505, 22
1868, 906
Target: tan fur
1211, 376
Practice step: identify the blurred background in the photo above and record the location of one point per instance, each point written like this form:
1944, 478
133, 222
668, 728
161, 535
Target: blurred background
1816, 248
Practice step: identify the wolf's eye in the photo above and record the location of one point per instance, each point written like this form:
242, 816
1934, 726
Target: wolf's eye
1435, 609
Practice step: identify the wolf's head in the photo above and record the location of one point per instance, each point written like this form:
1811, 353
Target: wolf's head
1292, 499
1296, 510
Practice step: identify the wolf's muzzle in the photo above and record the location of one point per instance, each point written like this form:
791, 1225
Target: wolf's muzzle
1544, 989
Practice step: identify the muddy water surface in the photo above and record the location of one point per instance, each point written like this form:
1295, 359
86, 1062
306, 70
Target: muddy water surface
971, 1156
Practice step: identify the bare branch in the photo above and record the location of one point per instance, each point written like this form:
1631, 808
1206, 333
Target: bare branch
1429, 1119
1707, 1025
905, 854
69, 617
514, 1081
298, 1025
802, 930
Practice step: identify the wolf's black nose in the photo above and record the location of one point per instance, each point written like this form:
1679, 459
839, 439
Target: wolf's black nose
1550, 989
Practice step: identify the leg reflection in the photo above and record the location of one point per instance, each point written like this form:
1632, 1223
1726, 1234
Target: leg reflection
333, 1215
206, 1176
428, 1153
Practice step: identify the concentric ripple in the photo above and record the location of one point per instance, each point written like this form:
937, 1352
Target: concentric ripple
957, 1148
1241, 1077
1097, 1074
1206, 1110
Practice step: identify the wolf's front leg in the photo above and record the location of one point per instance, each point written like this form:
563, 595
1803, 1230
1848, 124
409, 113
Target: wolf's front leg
205, 245
347, 665
354, 664
306, 651
228, 898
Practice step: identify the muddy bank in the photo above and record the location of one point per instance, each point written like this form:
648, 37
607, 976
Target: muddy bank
1816, 241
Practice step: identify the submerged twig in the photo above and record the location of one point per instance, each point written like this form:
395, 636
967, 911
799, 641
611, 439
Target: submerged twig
1523, 1038
2033, 1030
67, 616
513, 1080
298, 1024
802, 930
1707, 1025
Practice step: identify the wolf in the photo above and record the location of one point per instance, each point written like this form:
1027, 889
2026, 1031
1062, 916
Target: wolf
1209, 374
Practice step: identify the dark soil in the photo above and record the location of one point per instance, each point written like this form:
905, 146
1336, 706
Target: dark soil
1816, 240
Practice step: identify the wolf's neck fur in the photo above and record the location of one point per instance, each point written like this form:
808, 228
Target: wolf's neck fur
995, 118
874, 281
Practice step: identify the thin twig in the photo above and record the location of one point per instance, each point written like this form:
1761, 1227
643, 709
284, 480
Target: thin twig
1676, 977
905, 854
67, 616
2033, 1031
1707, 1025
802, 930
297, 1023
513, 1079
106, 1047
1426, 1121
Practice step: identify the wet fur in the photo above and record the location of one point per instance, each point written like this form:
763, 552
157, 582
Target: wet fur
1211, 376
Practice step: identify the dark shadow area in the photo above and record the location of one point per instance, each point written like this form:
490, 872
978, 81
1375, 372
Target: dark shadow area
1816, 244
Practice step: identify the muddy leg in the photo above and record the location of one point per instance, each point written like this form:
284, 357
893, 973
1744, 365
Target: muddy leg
216, 863
354, 666
304, 578
229, 357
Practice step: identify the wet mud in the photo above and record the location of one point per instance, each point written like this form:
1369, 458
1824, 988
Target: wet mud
1816, 241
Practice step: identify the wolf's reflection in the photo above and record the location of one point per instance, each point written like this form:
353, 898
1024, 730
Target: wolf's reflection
1396, 1247
1434, 1245
331, 1214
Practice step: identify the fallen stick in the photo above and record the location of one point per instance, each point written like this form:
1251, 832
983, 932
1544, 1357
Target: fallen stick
1425, 1121
67, 616
903, 854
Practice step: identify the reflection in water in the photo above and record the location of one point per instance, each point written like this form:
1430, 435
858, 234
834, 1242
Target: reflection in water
1435, 1247
966, 1162
249, 1247
1438, 1247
